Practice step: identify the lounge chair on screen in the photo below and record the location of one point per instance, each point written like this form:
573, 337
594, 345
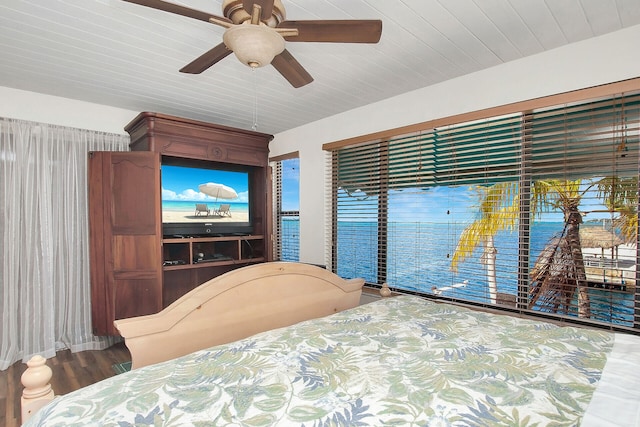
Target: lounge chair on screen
202, 209
224, 210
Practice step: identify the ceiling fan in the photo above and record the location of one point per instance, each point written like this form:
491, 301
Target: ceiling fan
256, 31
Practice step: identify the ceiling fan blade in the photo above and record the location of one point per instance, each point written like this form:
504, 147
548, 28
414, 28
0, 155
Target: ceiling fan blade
291, 69
266, 5
179, 10
335, 31
206, 60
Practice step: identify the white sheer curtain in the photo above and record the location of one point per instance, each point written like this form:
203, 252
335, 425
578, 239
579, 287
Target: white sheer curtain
44, 257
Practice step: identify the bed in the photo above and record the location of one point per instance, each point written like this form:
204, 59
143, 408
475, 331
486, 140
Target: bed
401, 360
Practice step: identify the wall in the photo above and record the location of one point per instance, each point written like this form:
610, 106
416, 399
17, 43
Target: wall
36, 107
593, 62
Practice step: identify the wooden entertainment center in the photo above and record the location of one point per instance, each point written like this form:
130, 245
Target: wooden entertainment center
130, 274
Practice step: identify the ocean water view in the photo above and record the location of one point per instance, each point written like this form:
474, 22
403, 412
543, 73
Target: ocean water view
290, 239
424, 266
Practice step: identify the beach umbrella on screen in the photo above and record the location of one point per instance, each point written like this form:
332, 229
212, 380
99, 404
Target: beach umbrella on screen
219, 191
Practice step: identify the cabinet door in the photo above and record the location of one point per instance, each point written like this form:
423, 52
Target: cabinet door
125, 236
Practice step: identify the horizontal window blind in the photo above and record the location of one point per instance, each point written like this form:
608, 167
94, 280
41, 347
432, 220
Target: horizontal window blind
286, 209
356, 183
584, 165
582, 140
491, 211
403, 203
468, 153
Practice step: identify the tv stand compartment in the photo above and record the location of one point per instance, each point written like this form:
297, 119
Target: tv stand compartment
210, 256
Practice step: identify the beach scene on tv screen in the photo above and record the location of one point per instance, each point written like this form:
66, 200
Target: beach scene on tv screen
204, 195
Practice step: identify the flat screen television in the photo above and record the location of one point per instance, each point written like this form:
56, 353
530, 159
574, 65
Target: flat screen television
205, 199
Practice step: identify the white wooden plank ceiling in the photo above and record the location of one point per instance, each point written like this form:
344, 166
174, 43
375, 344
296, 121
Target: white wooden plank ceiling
128, 56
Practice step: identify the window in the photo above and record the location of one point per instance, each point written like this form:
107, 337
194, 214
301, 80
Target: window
534, 211
286, 203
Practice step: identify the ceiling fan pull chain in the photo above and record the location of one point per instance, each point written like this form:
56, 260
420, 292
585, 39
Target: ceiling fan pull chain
254, 127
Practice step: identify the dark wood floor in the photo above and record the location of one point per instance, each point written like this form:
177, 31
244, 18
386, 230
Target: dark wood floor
71, 371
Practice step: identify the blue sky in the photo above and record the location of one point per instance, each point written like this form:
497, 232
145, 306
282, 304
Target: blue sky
451, 204
291, 184
181, 183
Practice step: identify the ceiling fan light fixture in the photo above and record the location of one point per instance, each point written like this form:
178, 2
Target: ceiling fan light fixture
254, 45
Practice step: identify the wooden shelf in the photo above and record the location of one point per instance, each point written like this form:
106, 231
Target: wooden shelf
212, 239
207, 264
204, 252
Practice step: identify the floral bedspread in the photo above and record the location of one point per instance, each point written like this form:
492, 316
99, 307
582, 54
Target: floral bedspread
398, 361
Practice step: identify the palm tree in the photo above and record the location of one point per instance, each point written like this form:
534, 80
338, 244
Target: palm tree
621, 195
560, 268
559, 275
560, 272
498, 209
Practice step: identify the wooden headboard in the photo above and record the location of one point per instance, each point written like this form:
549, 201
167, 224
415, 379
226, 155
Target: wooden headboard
236, 305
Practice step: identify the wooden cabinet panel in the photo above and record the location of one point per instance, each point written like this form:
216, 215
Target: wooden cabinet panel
125, 237
135, 297
135, 192
135, 253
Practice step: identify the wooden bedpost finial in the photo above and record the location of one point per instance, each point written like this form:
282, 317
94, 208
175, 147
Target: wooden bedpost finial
384, 290
37, 390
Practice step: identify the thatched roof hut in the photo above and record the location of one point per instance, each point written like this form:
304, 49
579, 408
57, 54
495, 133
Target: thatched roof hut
598, 237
